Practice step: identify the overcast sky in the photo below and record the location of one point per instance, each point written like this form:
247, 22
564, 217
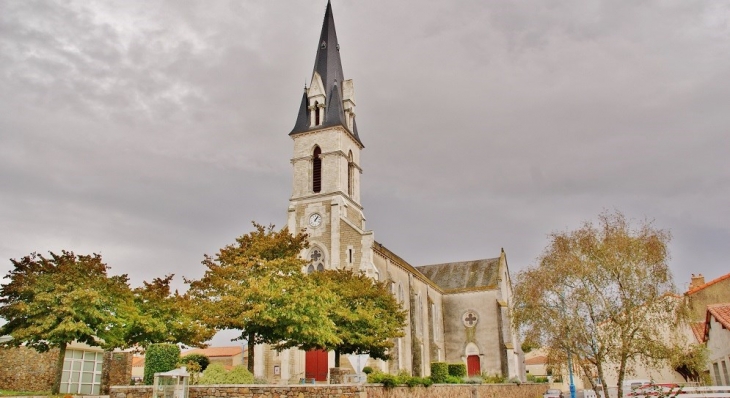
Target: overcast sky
153, 132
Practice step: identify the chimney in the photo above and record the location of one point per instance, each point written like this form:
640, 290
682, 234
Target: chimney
697, 281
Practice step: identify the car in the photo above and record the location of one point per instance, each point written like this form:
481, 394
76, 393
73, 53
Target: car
553, 393
655, 389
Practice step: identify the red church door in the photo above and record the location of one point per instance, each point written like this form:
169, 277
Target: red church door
472, 365
316, 365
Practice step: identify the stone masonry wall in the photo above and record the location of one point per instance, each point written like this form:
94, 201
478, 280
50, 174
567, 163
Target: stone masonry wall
25, 369
346, 391
116, 370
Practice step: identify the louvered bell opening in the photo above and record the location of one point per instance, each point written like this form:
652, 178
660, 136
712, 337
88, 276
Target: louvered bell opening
316, 171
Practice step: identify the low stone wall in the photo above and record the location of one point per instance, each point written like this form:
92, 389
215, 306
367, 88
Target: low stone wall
346, 391
459, 391
25, 369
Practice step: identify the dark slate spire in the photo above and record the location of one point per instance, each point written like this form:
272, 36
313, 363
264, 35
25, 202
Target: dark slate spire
302, 123
327, 63
334, 115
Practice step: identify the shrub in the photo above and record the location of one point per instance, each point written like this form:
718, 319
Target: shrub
493, 379
200, 359
439, 372
389, 380
457, 369
214, 374
367, 370
239, 375
160, 358
453, 380
217, 374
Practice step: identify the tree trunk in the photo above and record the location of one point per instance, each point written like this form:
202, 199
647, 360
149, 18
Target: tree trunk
621, 374
59, 369
337, 357
250, 352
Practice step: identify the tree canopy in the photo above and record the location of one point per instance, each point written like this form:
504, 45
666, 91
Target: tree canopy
52, 301
366, 315
604, 293
164, 316
256, 285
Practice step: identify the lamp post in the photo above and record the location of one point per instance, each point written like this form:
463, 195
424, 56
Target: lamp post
570, 374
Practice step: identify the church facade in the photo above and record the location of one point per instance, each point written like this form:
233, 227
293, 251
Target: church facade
458, 312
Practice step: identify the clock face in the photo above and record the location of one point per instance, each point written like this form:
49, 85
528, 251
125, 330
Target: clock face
315, 220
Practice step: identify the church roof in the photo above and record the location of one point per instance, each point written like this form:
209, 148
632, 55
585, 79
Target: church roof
463, 275
328, 65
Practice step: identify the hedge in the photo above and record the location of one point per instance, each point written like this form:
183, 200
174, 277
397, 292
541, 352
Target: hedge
160, 358
457, 369
439, 372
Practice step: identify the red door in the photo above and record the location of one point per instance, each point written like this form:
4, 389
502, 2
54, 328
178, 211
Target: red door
315, 365
472, 365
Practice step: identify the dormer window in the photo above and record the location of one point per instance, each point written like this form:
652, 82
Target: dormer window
323, 45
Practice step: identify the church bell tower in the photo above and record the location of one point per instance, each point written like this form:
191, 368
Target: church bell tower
325, 199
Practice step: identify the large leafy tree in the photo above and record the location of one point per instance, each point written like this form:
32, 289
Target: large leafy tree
164, 316
52, 301
256, 285
602, 293
366, 316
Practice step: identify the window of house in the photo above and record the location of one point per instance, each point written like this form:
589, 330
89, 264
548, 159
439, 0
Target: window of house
316, 113
724, 372
316, 170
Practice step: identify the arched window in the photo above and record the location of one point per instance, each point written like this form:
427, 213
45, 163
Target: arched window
350, 175
317, 261
316, 170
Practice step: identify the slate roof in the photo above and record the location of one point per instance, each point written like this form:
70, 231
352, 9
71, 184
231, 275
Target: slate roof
329, 66
464, 275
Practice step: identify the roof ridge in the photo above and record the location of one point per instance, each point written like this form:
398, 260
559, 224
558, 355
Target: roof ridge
708, 284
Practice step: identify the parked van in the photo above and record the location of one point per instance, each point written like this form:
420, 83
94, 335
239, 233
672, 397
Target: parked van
629, 385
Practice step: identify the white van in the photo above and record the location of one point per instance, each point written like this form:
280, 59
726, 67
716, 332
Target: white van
629, 385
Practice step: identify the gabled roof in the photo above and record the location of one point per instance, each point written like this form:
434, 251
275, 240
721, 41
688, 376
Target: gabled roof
708, 284
538, 360
464, 275
721, 312
217, 351
698, 329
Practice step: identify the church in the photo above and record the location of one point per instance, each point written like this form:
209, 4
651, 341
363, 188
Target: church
458, 312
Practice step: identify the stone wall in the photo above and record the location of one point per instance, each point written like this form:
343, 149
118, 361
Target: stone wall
116, 370
346, 391
25, 369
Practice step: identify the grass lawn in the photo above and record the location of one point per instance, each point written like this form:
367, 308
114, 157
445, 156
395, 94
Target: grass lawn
10, 393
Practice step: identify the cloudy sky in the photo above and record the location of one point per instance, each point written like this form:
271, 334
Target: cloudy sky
153, 132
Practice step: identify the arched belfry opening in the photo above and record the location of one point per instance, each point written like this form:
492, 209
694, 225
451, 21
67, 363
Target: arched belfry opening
317, 120
350, 175
316, 170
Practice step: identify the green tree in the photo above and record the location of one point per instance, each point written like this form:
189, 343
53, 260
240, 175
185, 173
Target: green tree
366, 316
600, 293
165, 316
256, 285
52, 301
